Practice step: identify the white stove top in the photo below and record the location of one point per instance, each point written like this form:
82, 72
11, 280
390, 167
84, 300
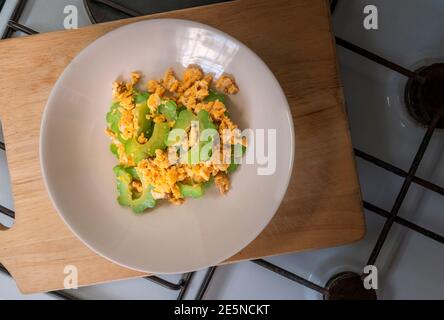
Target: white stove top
409, 264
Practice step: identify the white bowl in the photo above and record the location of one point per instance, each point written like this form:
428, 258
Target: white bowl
77, 165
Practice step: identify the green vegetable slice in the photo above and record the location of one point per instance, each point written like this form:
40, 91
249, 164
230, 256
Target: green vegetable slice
145, 125
184, 120
126, 197
113, 117
141, 111
191, 191
123, 186
133, 173
169, 110
234, 166
208, 133
181, 108
113, 149
157, 141
144, 202
205, 121
208, 183
141, 97
213, 96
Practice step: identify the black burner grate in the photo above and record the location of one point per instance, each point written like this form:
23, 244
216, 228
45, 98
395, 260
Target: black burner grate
348, 286
105, 10
424, 99
120, 10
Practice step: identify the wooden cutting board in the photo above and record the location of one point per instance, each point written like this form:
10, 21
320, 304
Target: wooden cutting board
322, 206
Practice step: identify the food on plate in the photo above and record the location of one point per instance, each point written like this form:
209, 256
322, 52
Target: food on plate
174, 138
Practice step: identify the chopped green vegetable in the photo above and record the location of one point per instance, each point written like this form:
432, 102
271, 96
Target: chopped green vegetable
113, 118
141, 97
199, 152
123, 186
181, 108
113, 149
145, 125
205, 121
192, 191
128, 198
133, 173
213, 96
184, 120
192, 156
202, 151
147, 129
208, 183
157, 141
144, 202
209, 134
169, 110
233, 166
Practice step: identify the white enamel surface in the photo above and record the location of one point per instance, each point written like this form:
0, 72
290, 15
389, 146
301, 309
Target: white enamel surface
409, 35
5, 13
77, 164
48, 15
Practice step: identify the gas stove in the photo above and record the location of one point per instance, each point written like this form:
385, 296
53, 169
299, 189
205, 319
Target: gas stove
392, 78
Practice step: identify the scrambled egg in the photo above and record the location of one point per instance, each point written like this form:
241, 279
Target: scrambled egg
190, 92
227, 85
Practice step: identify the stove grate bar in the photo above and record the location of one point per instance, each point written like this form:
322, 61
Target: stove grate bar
20, 27
291, 276
403, 192
389, 167
3, 269
205, 283
378, 59
186, 281
18, 10
63, 295
406, 223
7, 212
182, 286
166, 284
127, 11
115, 6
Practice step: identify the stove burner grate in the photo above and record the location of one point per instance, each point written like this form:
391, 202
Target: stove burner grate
348, 286
424, 99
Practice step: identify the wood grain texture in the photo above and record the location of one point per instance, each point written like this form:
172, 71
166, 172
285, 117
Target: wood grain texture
322, 206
